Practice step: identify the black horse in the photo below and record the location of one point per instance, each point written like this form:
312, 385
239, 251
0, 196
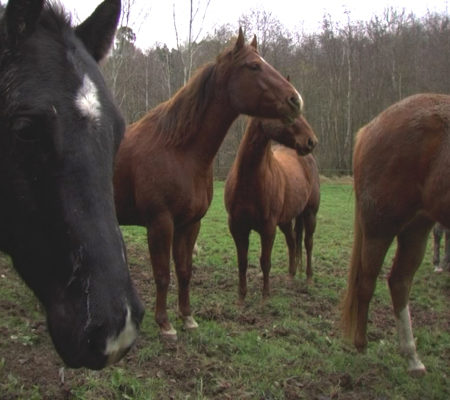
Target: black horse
59, 132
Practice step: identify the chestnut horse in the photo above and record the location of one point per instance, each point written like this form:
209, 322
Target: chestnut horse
402, 186
164, 176
438, 232
269, 186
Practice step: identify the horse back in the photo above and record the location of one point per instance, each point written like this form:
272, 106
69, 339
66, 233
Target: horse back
401, 163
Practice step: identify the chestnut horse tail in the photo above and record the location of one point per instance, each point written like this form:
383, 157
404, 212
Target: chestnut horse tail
298, 230
349, 305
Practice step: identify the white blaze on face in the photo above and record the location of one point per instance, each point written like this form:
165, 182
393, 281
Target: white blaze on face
300, 99
115, 346
87, 100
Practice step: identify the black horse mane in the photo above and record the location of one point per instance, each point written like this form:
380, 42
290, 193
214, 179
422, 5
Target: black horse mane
53, 18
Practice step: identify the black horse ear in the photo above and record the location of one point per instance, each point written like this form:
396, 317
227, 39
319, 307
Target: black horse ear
240, 42
21, 17
97, 32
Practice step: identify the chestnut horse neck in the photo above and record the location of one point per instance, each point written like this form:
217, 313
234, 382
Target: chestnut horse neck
196, 118
254, 150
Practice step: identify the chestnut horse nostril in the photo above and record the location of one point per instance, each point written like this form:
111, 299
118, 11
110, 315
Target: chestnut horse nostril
311, 143
294, 102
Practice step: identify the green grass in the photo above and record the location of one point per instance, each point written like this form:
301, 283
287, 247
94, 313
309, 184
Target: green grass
288, 347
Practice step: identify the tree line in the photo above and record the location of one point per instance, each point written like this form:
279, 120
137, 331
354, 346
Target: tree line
347, 72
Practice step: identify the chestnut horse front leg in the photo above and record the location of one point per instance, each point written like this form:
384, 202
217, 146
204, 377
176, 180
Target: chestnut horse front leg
159, 237
309, 218
267, 239
240, 236
183, 247
410, 251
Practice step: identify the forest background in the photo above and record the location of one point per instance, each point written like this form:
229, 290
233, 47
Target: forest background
347, 72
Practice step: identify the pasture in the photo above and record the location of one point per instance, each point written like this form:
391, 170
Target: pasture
289, 347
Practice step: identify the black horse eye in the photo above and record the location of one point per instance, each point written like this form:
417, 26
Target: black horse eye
24, 129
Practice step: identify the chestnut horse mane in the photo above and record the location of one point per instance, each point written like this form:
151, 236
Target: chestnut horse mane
176, 120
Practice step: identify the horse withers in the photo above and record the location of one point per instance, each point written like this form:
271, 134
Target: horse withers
270, 186
163, 177
59, 132
402, 186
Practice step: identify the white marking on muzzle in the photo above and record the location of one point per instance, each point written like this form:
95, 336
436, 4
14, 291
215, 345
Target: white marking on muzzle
87, 100
115, 346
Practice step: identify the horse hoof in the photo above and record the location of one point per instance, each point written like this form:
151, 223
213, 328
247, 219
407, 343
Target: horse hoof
417, 372
190, 323
169, 333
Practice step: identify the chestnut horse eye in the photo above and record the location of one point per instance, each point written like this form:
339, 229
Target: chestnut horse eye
254, 66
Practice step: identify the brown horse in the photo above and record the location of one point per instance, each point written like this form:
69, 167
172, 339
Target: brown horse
438, 232
164, 177
269, 186
402, 185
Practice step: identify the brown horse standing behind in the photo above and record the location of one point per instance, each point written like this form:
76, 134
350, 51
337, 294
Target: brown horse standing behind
269, 186
164, 178
440, 231
402, 185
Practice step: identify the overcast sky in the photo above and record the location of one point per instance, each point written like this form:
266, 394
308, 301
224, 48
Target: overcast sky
152, 20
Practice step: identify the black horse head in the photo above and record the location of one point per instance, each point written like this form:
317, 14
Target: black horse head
59, 132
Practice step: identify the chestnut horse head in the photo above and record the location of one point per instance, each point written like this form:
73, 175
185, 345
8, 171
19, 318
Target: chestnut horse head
297, 135
59, 132
254, 87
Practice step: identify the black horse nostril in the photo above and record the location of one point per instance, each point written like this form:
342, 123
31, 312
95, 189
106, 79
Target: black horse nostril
311, 143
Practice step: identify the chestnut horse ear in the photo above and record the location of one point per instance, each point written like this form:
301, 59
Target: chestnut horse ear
97, 32
21, 17
288, 78
254, 43
240, 42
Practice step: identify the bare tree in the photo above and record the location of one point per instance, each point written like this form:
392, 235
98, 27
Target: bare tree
188, 50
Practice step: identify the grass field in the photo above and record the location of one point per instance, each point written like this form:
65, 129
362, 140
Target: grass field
286, 348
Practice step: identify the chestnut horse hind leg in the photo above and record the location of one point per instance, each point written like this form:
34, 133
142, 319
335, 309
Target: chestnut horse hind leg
240, 236
183, 248
367, 257
445, 263
309, 222
437, 236
410, 251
